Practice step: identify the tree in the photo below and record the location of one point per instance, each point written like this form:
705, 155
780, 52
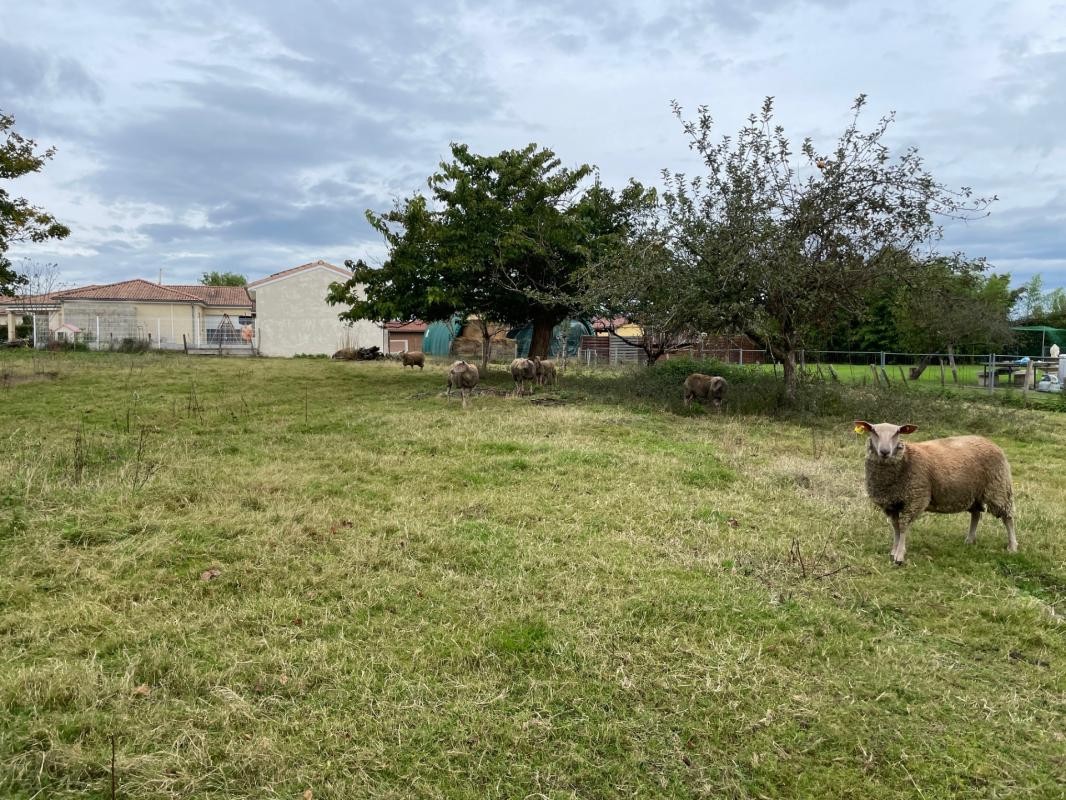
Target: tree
20, 221
640, 281
223, 279
504, 239
773, 251
955, 306
1032, 302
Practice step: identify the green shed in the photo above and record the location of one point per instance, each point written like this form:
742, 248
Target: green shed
575, 329
440, 335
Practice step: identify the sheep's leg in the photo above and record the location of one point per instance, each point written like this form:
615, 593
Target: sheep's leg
688, 400
1012, 540
894, 521
975, 517
463, 393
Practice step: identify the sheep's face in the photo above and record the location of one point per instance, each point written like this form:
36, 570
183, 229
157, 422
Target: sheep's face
883, 443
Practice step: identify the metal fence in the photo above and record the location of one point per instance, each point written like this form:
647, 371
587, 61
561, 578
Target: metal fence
983, 370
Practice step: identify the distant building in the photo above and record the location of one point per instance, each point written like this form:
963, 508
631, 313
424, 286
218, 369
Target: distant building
293, 317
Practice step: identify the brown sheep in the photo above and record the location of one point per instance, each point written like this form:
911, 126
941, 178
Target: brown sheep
464, 377
415, 358
546, 372
944, 476
705, 387
523, 370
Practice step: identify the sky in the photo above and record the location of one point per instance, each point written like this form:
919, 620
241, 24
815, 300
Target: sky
252, 136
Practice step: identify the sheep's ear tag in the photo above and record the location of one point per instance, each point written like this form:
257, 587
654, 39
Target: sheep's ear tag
908, 428
860, 427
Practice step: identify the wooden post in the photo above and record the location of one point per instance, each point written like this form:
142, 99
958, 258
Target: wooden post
185, 344
833, 373
885, 376
902, 376
873, 369
941, 360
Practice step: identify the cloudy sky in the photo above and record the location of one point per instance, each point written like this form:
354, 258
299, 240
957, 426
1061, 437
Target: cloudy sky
251, 136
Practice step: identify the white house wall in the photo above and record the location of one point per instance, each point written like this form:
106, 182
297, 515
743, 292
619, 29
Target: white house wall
293, 317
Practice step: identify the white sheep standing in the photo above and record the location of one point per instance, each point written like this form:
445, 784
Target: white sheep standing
523, 370
546, 371
944, 476
463, 376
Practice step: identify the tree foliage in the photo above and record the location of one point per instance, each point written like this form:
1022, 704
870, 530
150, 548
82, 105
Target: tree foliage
777, 250
502, 237
216, 278
19, 220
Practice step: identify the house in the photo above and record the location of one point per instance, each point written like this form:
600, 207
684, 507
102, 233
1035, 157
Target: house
166, 316
293, 317
404, 337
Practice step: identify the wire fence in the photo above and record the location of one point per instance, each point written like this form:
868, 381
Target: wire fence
981, 370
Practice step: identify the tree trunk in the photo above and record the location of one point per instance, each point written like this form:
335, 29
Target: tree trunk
788, 365
951, 362
919, 368
540, 344
486, 350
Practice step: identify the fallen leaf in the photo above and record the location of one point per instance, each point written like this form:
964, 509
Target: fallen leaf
734, 523
283, 679
210, 574
307, 794
297, 622
143, 690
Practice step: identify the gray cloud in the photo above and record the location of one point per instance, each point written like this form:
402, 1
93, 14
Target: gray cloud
28, 73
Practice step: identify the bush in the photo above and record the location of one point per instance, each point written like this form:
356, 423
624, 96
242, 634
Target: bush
130, 345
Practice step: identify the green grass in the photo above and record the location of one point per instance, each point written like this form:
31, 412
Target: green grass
611, 596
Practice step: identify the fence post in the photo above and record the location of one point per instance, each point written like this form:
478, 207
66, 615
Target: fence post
991, 372
742, 356
882, 359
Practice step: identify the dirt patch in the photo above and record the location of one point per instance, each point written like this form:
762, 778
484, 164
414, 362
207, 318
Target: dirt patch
10, 379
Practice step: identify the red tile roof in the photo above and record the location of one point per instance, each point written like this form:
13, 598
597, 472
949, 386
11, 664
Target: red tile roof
341, 271
414, 326
139, 290
218, 295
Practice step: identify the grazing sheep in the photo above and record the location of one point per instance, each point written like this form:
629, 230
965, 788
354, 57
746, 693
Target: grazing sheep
464, 377
546, 371
523, 370
415, 358
705, 387
945, 476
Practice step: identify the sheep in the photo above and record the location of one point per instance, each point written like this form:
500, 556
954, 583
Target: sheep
944, 476
412, 359
705, 387
523, 370
546, 371
463, 376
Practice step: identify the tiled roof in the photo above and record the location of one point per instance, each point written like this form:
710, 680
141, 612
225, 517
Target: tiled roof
341, 271
137, 289
141, 290
414, 326
218, 295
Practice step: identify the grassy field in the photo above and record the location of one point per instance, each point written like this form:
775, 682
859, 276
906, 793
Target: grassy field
257, 578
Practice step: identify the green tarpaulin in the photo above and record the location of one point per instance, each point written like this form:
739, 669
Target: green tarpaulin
1036, 340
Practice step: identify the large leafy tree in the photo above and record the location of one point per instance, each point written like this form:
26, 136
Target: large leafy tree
957, 305
19, 220
775, 247
502, 237
216, 278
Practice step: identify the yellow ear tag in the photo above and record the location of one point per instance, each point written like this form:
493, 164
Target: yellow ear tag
860, 430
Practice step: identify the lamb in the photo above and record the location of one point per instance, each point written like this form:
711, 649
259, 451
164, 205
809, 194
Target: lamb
412, 359
463, 376
523, 370
945, 476
546, 371
705, 387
